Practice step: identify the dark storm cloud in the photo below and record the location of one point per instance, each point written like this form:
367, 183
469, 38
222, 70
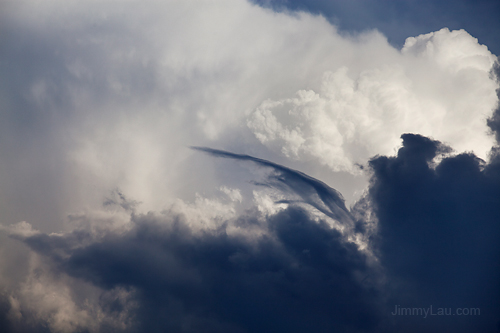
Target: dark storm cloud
400, 19
438, 232
437, 241
312, 191
303, 276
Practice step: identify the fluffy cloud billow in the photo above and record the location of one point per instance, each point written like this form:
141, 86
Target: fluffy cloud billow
439, 85
109, 221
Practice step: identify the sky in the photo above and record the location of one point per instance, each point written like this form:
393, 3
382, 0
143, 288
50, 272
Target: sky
249, 166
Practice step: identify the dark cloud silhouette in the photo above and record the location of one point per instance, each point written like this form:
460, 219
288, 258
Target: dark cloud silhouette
302, 276
438, 222
438, 233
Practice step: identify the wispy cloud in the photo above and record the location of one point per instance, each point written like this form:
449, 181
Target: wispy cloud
311, 191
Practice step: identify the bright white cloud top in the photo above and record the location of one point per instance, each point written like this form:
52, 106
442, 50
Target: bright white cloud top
105, 95
120, 92
439, 85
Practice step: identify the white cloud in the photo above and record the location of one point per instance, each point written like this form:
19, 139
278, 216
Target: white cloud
115, 94
439, 86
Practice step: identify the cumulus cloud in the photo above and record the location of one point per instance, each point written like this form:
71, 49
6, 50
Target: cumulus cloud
126, 229
98, 97
439, 85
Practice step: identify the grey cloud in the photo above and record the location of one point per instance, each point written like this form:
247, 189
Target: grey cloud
494, 120
436, 243
94, 102
303, 276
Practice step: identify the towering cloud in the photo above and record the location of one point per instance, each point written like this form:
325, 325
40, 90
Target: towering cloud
109, 222
439, 85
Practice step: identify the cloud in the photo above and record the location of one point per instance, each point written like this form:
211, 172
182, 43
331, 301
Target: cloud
311, 191
437, 231
126, 229
439, 85
398, 20
494, 121
300, 275
98, 98
434, 244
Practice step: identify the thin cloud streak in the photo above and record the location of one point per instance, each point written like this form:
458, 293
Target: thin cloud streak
312, 191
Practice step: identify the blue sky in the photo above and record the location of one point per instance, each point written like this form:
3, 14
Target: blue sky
236, 166
400, 19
